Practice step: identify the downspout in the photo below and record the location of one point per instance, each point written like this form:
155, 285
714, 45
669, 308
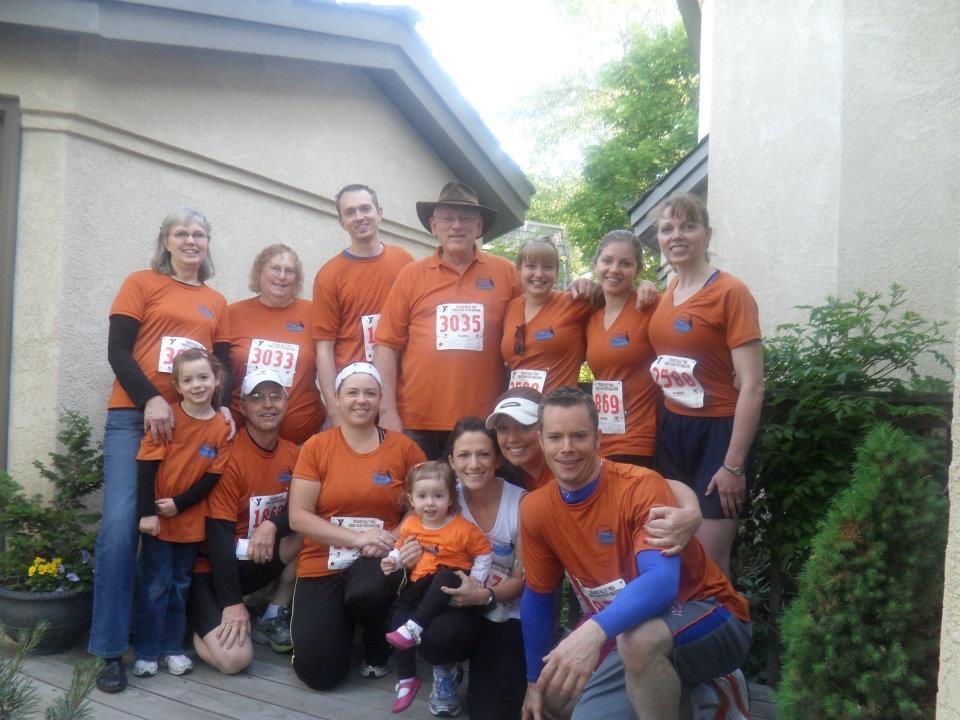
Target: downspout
9, 192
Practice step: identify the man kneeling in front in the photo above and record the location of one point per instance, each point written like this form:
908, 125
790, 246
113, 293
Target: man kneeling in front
652, 622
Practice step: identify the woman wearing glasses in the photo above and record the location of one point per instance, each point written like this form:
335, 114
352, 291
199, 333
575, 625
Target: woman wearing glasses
156, 315
346, 499
619, 354
271, 331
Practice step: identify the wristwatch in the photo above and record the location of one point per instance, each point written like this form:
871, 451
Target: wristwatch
735, 470
493, 598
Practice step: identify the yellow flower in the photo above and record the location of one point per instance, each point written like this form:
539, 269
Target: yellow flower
38, 561
32, 570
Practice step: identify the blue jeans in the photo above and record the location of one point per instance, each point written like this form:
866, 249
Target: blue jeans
162, 603
116, 550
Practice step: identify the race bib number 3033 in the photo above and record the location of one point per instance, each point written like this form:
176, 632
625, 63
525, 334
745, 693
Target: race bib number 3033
460, 326
277, 356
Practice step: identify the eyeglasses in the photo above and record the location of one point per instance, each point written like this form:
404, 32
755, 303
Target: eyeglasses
451, 219
183, 235
275, 396
518, 339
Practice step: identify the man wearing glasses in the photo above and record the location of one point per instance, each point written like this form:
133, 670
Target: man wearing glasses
249, 543
438, 340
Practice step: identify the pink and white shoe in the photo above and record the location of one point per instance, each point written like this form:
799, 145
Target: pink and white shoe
404, 641
406, 692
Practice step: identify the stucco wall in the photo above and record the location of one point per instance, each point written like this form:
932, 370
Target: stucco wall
116, 134
948, 698
834, 140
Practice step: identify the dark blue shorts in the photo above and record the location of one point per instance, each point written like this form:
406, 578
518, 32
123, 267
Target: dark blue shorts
692, 449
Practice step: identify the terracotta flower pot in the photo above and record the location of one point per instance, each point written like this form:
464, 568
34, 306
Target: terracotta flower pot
68, 613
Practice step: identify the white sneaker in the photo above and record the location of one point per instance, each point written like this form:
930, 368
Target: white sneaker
723, 698
373, 671
178, 664
145, 668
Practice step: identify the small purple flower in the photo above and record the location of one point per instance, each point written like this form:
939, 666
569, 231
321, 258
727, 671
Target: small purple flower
72, 577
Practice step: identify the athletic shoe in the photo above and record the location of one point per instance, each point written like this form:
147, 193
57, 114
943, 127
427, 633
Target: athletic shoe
373, 671
112, 677
401, 641
443, 698
724, 698
145, 668
275, 631
177, 664
406, 692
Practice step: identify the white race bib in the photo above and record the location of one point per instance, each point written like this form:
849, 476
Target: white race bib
608, 397
593, 600
264, 507
342, 557
277, 356
498, 612
368, 329
675, 377
170, 347
460, 326
535, 379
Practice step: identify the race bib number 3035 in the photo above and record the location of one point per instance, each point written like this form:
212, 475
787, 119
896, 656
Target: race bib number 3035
170, 347
277, 356
608, 397
460, 326
675, 377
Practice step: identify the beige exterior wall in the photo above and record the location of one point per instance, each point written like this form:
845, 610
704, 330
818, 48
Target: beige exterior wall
834, 140
948, 699
116, 134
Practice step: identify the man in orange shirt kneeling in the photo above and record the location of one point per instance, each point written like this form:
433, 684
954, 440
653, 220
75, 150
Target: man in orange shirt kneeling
651, 622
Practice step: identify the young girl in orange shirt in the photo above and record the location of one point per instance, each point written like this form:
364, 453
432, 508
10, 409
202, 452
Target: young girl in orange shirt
450, 544
173, 479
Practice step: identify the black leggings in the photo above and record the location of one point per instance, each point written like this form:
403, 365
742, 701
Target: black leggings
449, 633
498, 672
325, 613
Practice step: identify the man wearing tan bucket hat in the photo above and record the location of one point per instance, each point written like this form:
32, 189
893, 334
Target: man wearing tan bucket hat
437, 343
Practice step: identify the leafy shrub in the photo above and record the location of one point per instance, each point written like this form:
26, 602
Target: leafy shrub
861, 639
58, 532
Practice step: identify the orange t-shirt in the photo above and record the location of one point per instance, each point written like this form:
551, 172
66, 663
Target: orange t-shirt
253, 487
596, 541
347, 288
198, 447
532, 483
353, 485
704, 329
165, 309
431, 305
282, 343
455, 545
623, 353
554, 341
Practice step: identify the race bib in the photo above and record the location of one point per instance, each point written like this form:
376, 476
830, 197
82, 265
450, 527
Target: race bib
608, 397
460, 326
264, 507
593, 600
170, 347
368, 329
675, 377
498, 612
535, 379
277, 356
342, 557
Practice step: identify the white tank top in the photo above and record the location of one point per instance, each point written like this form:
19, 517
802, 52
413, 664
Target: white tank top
503, 537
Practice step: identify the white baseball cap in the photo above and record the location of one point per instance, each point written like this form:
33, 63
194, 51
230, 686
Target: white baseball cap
362, 368
257, 377
520, 409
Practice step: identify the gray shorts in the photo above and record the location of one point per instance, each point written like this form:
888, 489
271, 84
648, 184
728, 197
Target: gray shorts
708, 642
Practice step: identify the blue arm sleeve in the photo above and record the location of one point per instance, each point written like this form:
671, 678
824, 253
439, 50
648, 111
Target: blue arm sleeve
645, 596
536, 621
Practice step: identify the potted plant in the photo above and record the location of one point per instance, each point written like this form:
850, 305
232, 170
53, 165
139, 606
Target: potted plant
46, 545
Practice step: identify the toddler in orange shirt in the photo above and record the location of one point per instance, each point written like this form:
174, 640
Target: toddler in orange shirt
450, 544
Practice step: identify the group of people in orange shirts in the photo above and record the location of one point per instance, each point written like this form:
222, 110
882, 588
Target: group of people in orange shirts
399, 379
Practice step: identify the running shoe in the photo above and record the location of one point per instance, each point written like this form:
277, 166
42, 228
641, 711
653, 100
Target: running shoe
723, 698
177, 664
145, 668
443, 698
406, 692
275, 631
373, 671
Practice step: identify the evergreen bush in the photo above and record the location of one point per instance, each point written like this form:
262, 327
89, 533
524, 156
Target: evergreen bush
861, 640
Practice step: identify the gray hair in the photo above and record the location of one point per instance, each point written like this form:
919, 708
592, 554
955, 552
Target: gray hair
181, 216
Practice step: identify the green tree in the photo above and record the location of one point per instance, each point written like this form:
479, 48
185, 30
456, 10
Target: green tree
635, 119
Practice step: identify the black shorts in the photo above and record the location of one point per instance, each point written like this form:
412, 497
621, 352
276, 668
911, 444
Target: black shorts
204, 611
